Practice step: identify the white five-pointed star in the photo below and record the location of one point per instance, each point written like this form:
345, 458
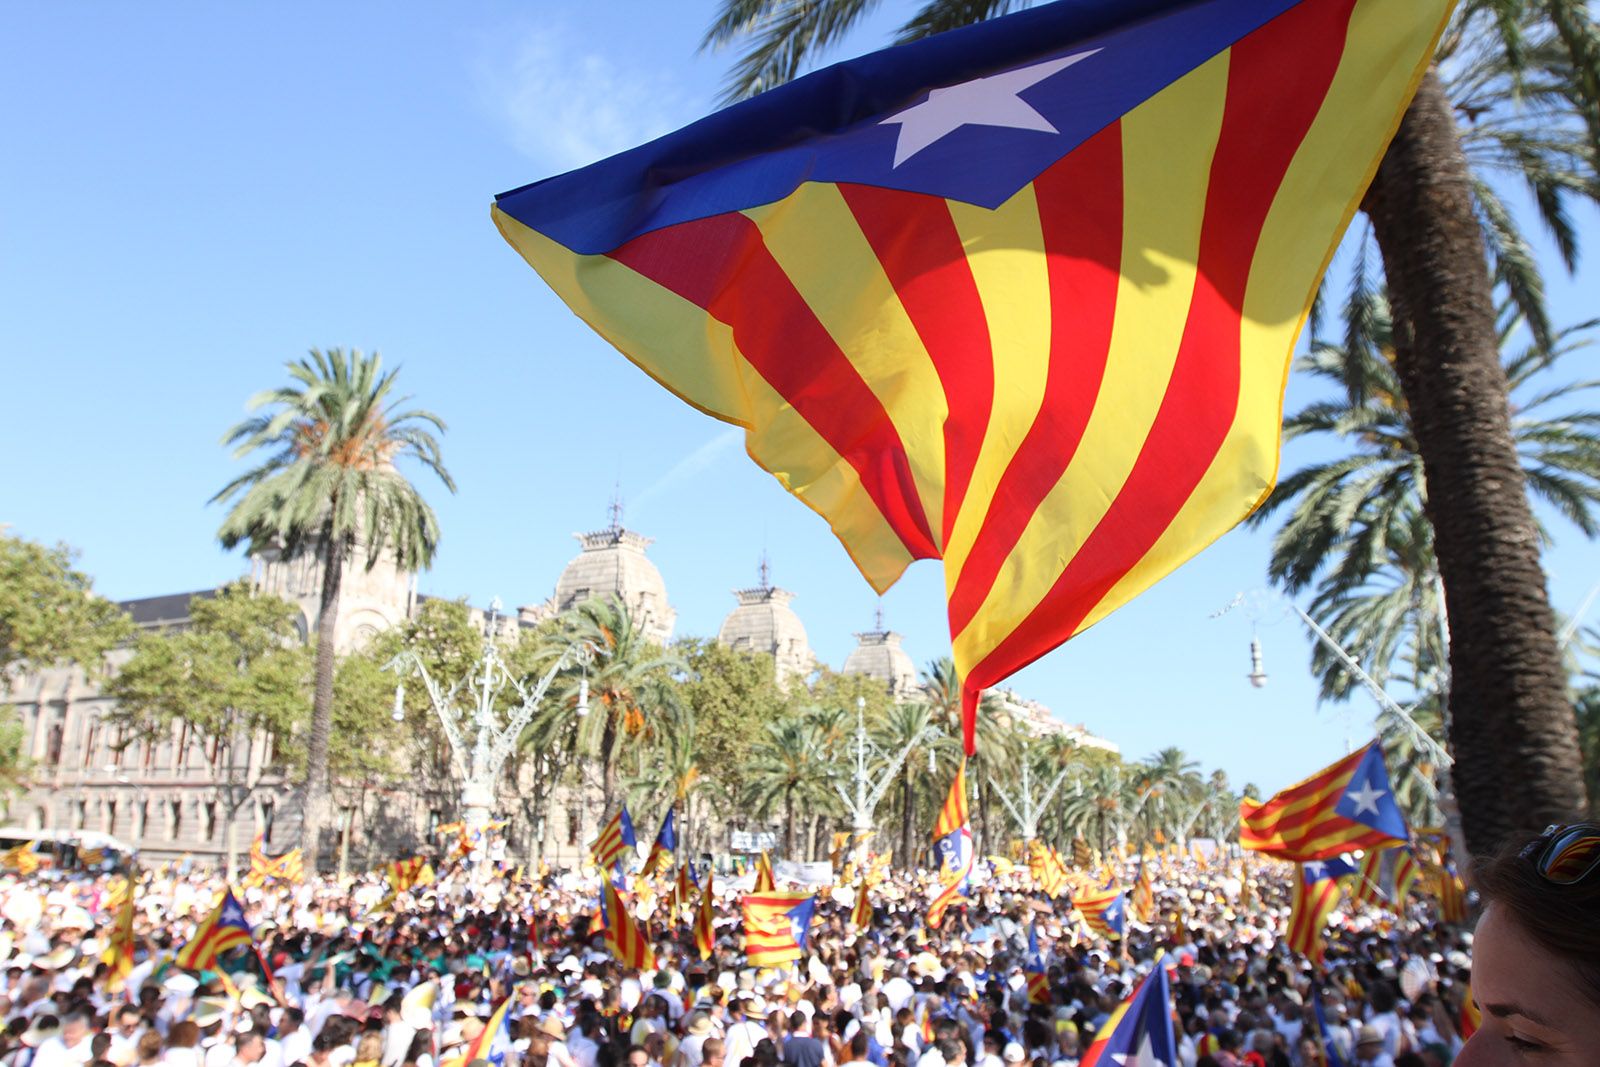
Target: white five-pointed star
1144, 1057
1366, 798
991, 101
1316, 871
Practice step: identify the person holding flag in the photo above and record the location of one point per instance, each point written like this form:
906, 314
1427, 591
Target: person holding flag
952, 843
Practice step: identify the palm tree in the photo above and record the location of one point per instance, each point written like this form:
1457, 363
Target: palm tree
629, 682
1434, 226
329, 485
1357, 529
903, 724
789, 767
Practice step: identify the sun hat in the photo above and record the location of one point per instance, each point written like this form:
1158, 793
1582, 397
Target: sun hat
699, 1023
1013, 1053
1369, 1035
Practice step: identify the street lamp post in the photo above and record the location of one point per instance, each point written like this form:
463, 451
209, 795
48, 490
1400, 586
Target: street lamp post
862, 800
1024, 806
479, 742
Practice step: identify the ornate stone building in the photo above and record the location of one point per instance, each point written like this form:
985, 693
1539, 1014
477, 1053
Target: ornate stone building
878, 654
764, 622
171, 796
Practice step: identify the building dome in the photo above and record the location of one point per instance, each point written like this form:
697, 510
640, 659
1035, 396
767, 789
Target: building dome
764, 622
878, 655
613, 563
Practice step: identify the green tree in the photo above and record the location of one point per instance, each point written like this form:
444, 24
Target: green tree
1435, 229
789, 768
49, 614
629, 683
237, 670
732, 693
327, 484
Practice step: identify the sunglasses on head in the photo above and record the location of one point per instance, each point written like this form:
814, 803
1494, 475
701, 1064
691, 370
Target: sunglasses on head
1566, 855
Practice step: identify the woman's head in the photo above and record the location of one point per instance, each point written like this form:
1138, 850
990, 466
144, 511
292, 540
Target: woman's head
1536, 955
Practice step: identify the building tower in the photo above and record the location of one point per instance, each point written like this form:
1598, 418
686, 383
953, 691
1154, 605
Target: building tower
878, 655
764, 622
613, 563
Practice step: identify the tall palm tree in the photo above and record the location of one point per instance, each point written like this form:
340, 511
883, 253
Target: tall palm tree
1356, 529
628, 678
901, 727
789, 767
329, 484
1433, 226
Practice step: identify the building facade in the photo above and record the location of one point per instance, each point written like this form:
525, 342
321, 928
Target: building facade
185, 794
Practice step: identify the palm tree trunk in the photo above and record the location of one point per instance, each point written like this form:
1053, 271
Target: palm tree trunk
314, 803
608, 762
907, 861
788, 823
1512, 729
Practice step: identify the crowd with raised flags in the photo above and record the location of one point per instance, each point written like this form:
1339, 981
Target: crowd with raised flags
1286, 953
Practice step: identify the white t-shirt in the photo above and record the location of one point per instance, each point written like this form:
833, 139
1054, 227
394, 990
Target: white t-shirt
54, 1052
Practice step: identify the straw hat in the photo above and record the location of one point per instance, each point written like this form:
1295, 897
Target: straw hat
208, 1011
699, 1023
1369, 1035
416, 1010
254, 998
35, 1034
553, 1027
56, 958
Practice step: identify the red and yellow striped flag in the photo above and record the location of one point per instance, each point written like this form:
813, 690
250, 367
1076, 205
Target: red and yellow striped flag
1343, 807
1060, 371
861, 911
952, 842
704, 932
627, 942
1144, 896
224, 929
765, 883
118, 955
776, 927
1315, 895
407, 874
1048, 872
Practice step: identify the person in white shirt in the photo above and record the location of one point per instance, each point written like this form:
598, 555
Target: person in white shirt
69, 1048
743, 1033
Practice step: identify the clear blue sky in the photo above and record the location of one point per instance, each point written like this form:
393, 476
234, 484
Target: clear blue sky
195, 193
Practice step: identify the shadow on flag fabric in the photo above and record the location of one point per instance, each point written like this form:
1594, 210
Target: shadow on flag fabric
1021, 296
665, 846
1316, 893
953, 849
1139, 1032
223, 930
1347, 806
777, 927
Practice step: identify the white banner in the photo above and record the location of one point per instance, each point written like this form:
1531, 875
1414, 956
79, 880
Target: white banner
804, 874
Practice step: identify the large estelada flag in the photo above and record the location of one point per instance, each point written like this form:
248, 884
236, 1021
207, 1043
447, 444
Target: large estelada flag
777, 927
1140, 1030
225, 929
1346, 806
1021, 296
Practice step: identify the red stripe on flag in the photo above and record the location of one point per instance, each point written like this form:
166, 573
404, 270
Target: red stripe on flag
921, 252
1278, 77
722, 265
1080, 216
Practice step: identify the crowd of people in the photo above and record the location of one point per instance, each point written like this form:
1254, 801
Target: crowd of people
486, 964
